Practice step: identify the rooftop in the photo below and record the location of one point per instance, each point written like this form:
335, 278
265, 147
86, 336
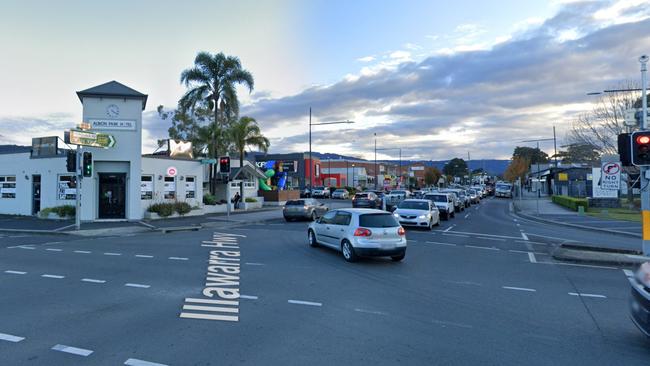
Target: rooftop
113, 89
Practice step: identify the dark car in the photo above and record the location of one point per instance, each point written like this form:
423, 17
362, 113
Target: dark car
366, 200
640, 298
305, 192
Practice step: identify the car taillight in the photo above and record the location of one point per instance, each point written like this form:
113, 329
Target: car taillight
362, 232
401, 231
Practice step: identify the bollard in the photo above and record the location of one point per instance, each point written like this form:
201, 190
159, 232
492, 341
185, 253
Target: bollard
581, 210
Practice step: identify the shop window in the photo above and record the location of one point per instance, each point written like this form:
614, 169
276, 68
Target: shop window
67, 187
234, 184
248, 184
8, 186
190, 187
146, 187
170, 188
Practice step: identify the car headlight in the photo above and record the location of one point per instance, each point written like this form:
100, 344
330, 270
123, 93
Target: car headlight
423, 216
395, 214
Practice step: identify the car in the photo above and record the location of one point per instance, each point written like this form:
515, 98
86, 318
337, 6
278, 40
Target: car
305, 193
417, 212
307, 208
640, 298
458, 204
474, 195
359, 232
321, 192
503, 189
367, 200
341, 194
444, 202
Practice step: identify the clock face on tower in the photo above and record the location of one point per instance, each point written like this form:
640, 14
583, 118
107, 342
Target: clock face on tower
112, 110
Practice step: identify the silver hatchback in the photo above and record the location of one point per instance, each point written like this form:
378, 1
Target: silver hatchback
359, 232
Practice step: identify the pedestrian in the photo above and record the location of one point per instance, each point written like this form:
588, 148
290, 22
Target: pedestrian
237, 199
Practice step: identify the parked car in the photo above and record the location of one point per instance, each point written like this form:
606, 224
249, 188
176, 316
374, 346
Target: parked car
307, 208
305, 192
503, 189
321, 192
640, 298
359, 233
366, 200
341, 194
474, 195
458, 204
417, 212
444, 202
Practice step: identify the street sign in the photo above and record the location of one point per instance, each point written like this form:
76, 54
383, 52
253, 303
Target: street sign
611, 176
597, 190
208, 161
92, 139
172, 171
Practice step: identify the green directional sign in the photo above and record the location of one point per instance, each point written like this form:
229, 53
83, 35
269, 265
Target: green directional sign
92, 139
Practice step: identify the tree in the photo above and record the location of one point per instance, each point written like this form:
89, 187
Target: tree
246, 132
579, 153
517, 168
532, 155
431, 176
478, 171
455, 167
212, 85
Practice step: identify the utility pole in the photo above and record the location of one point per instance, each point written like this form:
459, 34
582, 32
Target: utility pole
555, 146
376, 172
311, 180
645, 193
469, 170
78, 176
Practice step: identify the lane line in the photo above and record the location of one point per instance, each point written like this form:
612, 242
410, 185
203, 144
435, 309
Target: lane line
587, 295
72, 350
531, 257
519, 288
374, 312
628, 273
15, 272
531, 242
25, 247
209, 301
466, 216
54, 249
486, 238
178, 258
138, 285
10, 338
91, 280
109, 253
52, 276
444, 323
248, 297
578, 265
211, 308
144, 256
458, 235
524, 236
447, 229
490, 235
478, 247
254, 264
53, 242
137, 362
300, 302
82, 251
439, 243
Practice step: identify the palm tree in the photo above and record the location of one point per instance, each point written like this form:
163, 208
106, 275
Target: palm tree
212, 84
246, 132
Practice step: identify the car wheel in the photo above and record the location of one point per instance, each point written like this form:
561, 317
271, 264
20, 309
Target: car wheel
397, 258
348, 251
312, 238
453, 214
313, 216
287, 219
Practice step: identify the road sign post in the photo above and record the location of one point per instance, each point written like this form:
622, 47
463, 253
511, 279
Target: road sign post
645, 193
78, 175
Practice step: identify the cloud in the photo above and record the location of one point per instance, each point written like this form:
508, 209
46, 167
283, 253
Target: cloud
366, 59
482, 99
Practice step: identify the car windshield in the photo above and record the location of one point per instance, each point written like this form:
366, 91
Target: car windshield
377, 220
361, 195
414, 205
397, 192
503, 187
436, 197
296, 203
340, 191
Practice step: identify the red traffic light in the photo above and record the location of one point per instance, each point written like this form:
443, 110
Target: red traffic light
643, 139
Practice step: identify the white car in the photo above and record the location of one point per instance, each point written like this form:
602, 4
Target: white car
359, 232
444, 202
417, 212
341, 194
321, 192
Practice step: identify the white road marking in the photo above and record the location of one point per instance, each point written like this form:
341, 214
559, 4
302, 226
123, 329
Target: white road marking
447, 229
444, 323
144, 256
53, 242
92, 280
519, 288
438, 243
370, 311
628, 273
25, 247
524, 236
466, 216
136, 362
72, 350
478, 247
578, 265
209, 301
52, 276
54, 249
10, 338
531, 257
228, 318
248, 297
15, 272
82, 251
486, 238
588, 295
490, 235
178, 258
459, 235
518, 225
137, 285
310, 303
530, 242
112, 253
211, 308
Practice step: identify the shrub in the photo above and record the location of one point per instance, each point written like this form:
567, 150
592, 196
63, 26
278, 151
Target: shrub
351, 190
250, 200
570, 202
61, 211
162, 209
209, 199
182, 207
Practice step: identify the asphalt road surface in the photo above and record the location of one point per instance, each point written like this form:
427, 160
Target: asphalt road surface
481, 289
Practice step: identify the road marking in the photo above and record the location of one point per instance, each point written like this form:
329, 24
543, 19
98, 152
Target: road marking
531, 257
137, 285
628, 273
370, 311
209, 301
459, 235
519, 288
54, 249
444, 323
518, 225
92, 280
578, 265
211, 308
15, 272
228, 318
10, 338
587, 295
53, 242
438, 243
530, 242
25, 247
72, 350
447, 229
136, 362
466, 216
490, 235
143, 256
112, 253
299, 302
524, 236
248, 297
52, 276
178, 258
82, 251
486, 238
478, 247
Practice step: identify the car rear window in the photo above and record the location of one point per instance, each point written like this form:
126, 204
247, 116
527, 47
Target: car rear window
436, 197
361, 195
377, 220
296, 203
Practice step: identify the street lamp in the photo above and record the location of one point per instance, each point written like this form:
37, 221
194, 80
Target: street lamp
353, 185
311, 164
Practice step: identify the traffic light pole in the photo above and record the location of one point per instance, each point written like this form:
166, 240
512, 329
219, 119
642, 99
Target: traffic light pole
77, 211
645, 189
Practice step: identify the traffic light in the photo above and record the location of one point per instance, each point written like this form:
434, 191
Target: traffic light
87, 166
224, 164
641, 148
625, 149
71, 161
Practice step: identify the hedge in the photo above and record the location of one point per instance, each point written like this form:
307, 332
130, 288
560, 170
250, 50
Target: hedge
570, 202
250, 200
61, 211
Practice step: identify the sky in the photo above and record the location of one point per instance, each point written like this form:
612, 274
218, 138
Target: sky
438, 79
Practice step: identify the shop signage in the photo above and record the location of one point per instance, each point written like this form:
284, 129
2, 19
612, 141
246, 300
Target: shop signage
112, 124
417, 168
44, 146
92, 139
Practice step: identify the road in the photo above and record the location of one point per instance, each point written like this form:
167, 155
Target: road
479, 289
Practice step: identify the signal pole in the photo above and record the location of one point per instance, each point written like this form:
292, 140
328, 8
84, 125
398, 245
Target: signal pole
645, 193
